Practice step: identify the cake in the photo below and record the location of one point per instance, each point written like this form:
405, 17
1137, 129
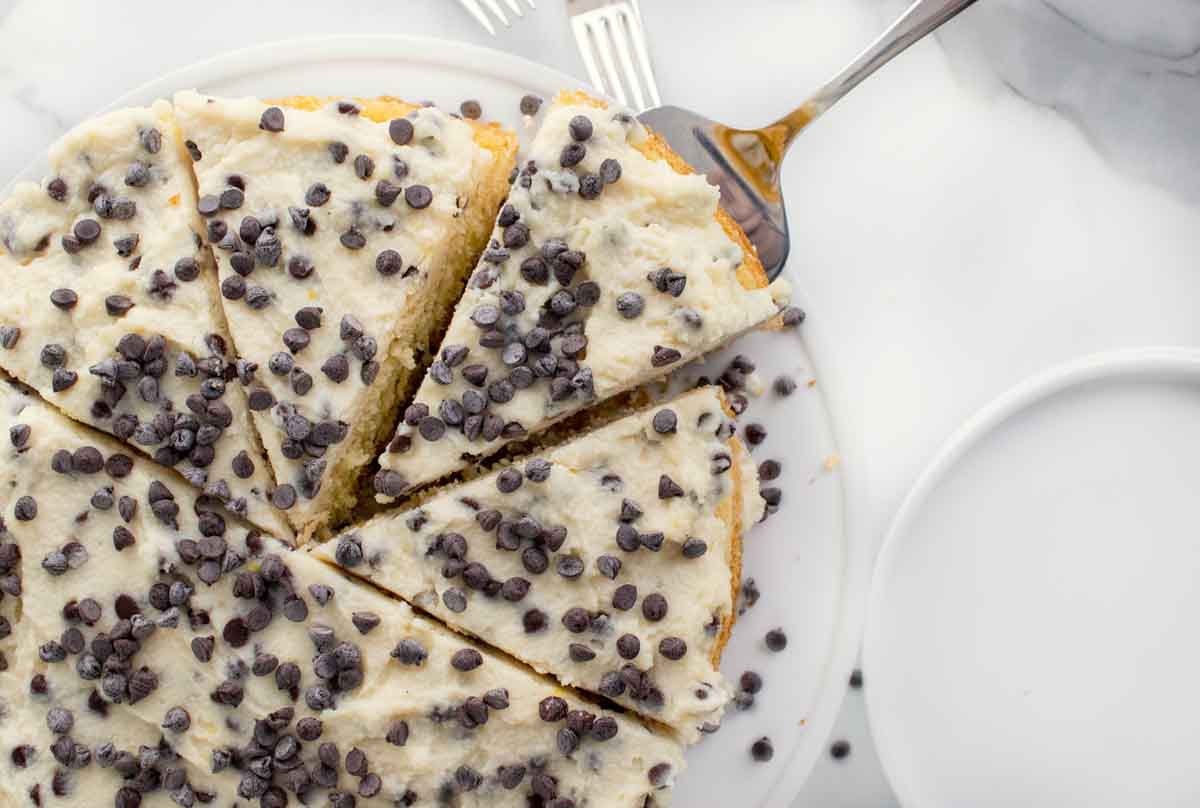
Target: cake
610, 264
166, 653
611, 562
343, 232
111, 310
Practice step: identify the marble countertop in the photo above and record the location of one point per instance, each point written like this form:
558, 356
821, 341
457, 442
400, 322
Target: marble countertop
1021, 191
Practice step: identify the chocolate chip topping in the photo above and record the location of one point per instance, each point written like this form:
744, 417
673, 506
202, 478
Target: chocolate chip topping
272, 120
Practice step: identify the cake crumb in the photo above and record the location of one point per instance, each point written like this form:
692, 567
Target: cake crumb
832, 462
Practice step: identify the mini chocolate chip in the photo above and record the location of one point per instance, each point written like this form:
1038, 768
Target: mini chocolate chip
750, 682
389, 483
401, 131
792, 316
572, 155
364, 166
409, 652
352, 239
668, 488
610, 171
388, 263
580, 653
299, 267
673, 648
467, 659
284, 496
590, 186
418, 196
570, 567
272, 120
654, 607
694, 548
317, 194
534, 620
530, 104
630, 305
762, 750
338, 151
663, 356
454, 599
397, 734
337, 368
64, 299
776, 640
508, 480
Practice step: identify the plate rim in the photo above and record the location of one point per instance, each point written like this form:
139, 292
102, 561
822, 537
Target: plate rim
856, 549
1130, 363
434, 50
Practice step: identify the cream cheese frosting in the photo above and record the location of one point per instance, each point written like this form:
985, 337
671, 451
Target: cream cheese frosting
607, 267
340, 239
609, 562
166, 653
110, 308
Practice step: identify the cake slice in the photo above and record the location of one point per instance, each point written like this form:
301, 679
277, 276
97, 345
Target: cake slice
166, 653
610, 264
111, 311
343, 231
611, 562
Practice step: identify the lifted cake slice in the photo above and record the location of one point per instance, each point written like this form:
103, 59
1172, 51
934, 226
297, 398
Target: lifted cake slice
343, 231
172, 655
611, 562
610, 264
110, 306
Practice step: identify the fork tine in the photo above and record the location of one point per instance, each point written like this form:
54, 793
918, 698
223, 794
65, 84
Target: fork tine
643, 56
532, 4
606, 35
516, 8
623, 34
499, 12
583, 39
475, 11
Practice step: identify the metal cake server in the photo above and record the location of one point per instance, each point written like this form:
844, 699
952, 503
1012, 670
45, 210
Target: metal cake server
745, 163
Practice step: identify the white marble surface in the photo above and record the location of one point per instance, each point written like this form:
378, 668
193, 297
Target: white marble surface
1020, 192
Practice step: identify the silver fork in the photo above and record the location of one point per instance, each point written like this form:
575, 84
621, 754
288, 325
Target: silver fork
745, 163
476, 8
604, 26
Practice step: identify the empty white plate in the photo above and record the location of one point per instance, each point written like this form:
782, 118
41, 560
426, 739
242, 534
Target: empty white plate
1034, 628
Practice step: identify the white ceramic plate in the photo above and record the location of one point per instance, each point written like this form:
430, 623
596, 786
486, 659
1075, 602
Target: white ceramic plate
813, 583
1033, 621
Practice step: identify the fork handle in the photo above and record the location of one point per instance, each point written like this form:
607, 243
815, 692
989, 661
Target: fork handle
921, 18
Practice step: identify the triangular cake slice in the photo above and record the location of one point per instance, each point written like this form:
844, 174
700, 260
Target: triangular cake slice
167, 654
110, 307
343, 232
611, 562
610, 264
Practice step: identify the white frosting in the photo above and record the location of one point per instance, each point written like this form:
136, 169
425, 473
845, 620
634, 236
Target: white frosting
396, 311
590, 480
100, 153
613, 772
650, 218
